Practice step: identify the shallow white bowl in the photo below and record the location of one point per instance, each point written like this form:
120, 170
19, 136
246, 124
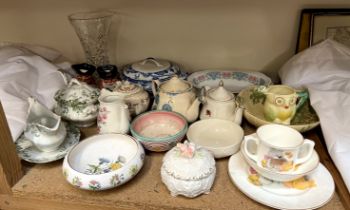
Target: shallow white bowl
103, 161
221, 137
302, 170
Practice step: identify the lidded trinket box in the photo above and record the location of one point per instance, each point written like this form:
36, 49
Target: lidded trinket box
188, 170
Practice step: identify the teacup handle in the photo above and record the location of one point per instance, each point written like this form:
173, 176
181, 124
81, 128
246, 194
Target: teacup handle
303, 96
307, 143
245, 147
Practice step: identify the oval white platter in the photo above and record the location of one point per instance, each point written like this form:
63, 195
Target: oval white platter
234, 81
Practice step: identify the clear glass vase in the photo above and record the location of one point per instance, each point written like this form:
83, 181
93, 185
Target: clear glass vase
92, 29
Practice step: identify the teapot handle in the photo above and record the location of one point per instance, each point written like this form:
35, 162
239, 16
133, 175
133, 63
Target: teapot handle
155, 86
154, 61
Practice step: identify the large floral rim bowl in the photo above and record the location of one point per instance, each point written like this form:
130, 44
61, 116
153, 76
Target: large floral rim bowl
304, 120
234, 81
159, 130
103, 161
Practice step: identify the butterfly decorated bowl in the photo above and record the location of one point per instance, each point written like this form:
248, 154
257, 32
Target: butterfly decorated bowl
103, 161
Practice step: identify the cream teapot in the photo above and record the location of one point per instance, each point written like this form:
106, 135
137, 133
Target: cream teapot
221, 104
176, 95
133, 95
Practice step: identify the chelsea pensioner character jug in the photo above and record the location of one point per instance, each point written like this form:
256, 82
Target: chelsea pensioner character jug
282, 102
78, 102
176, 95
219, 103
44, 128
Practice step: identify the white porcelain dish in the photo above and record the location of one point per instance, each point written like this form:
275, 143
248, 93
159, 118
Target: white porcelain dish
34, 155
300, 171
234, 81
103, 161
313, 198
221, 137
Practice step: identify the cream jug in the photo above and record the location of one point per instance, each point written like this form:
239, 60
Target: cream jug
220, 104
113, 115
176, 95
133, 95
44, 128
282, 102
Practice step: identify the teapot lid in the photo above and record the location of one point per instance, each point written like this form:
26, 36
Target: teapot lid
126, 88
80, 92
188, 162
151, 65
175, 85
220, 93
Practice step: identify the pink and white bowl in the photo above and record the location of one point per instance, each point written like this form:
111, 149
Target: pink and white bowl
159, 130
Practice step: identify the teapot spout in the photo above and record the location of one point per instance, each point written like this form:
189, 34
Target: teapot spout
193, 111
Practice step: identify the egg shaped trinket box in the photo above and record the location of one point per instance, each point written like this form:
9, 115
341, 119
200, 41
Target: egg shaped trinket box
188, 170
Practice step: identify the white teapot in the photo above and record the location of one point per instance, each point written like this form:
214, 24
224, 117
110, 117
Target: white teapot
133, 95
176, 95
219, 103
78, 102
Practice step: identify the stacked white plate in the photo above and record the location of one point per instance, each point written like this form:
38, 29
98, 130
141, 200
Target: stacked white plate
273, 188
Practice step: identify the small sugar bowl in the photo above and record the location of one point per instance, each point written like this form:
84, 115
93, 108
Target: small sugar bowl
188, 170
78, 102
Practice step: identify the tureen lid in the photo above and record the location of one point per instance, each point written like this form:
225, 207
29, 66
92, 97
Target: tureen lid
151, 65
126, 88
175, 85
220, 93
188, 162
79, 92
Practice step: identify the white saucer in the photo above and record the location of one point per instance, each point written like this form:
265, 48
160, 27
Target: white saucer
313, 198
33, 155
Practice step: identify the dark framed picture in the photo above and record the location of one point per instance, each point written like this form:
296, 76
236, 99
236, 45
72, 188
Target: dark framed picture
317, 25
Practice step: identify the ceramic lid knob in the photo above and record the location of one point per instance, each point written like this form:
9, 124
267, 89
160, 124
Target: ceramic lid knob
175, 85
220, 93
151, 65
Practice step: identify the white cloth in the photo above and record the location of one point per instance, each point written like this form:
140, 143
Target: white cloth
325, 70
24, 74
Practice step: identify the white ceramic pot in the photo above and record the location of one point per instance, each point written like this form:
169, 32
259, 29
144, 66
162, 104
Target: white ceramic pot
220, 104
188, 171
103, 161
78, 103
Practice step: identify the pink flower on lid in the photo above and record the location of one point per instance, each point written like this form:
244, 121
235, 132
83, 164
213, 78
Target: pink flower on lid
186, 149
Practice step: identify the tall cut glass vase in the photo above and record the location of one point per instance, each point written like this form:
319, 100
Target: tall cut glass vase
92, 29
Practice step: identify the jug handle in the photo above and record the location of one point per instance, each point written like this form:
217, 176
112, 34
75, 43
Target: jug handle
155, 86
303, 95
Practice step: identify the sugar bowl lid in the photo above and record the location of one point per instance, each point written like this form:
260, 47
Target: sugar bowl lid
175, 85
150, 65
220, 93
126, 88
188, 162
80, 92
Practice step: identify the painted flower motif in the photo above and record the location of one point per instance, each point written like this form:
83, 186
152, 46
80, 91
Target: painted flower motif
116, 179
133, 170
77, 182
186, 149
94, 185
226, 75
65, 173
115, 166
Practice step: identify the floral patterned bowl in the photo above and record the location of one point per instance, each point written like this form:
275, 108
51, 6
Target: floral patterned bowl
103, 161
159, 130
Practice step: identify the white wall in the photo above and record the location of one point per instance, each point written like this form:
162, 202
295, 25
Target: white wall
198, 34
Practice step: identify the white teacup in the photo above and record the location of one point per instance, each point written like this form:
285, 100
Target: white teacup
279, 148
